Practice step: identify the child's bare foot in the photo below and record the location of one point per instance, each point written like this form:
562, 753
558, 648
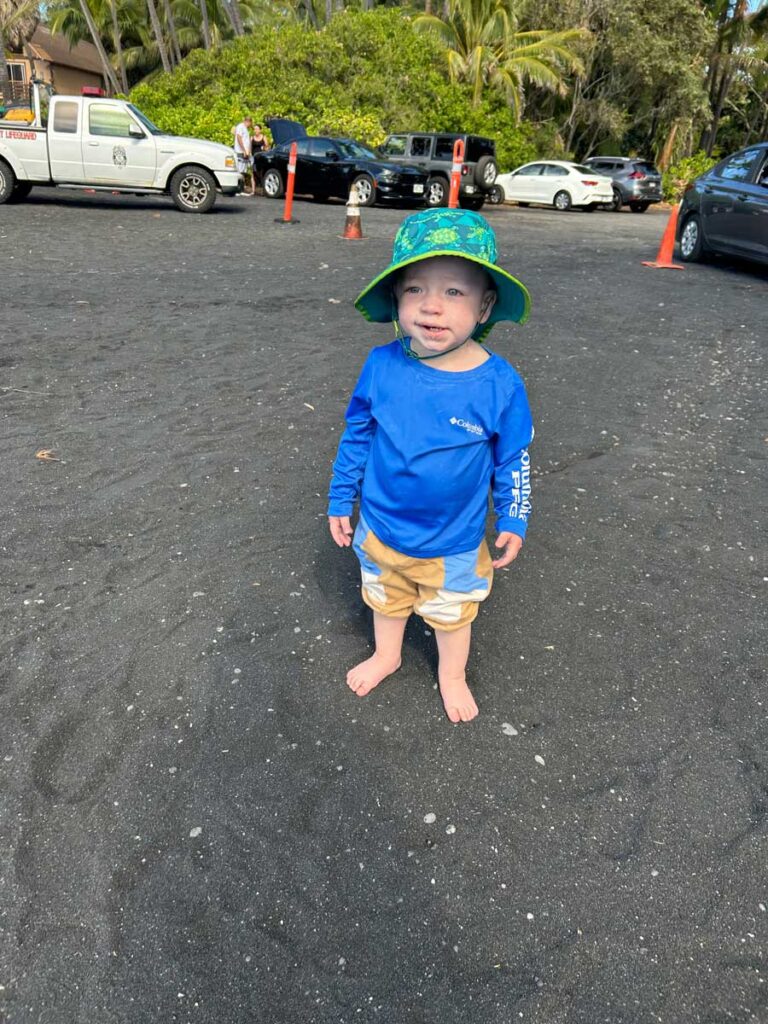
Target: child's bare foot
368, 674
457, 697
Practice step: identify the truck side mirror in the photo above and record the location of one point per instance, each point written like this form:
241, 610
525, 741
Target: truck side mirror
135, 132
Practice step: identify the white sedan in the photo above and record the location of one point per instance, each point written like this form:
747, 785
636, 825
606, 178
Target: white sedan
557, 183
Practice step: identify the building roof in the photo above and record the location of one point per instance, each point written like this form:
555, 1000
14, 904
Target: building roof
54, 48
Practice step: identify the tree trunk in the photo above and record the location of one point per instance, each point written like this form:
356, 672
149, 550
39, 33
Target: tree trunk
233, 12
328, 11
722, 93
175, 48
665, 157
96, 40
309, 8
204, 26
5, 78
118, 46
158, 33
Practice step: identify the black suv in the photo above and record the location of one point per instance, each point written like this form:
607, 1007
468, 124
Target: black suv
433, 153
635, 182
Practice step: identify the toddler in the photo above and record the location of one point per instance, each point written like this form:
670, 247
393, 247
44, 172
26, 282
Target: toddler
434, 422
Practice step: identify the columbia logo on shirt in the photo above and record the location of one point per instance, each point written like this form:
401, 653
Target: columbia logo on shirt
471, 428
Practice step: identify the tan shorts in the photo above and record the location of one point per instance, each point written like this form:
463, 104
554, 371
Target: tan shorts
445, 591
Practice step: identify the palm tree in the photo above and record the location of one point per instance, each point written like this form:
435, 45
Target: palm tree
18, 20
205, 27
485, 48
96, 40
158, 34
117, 38
738, 30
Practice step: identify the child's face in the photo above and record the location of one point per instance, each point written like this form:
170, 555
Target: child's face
440, 301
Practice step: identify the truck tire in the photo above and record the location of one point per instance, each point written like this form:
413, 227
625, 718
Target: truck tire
7, 182
193, 189
485, 172
22, 190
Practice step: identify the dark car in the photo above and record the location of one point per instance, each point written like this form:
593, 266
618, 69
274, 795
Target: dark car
433, 152
726, 209
636, 182
328, 167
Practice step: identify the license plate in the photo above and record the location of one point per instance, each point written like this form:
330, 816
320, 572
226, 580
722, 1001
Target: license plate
418, 189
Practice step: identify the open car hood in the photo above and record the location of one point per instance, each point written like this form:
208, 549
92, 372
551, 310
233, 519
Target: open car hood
284, 130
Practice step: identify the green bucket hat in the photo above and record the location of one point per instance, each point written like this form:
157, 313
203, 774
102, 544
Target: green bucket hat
441, 232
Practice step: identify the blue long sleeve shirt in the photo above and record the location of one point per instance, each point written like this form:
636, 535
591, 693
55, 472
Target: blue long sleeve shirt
423, 446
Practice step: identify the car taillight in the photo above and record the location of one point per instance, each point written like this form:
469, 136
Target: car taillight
589, 182
637, 175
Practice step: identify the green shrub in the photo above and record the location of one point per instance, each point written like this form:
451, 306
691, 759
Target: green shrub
365, 75
676, 179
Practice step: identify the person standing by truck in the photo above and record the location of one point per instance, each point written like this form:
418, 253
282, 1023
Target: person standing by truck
243, 152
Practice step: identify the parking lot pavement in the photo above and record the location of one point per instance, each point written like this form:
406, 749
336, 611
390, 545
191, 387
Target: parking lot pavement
201, 823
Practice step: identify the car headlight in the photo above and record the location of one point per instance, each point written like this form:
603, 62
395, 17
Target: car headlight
229, 161
386, 174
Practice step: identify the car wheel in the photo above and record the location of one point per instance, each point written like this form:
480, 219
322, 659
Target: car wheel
485, 171
562, 201
437, 192
366, 190
272, 183
691, 240
7, 182
495, 195
639, 207
193, 189
22, 190
617, 202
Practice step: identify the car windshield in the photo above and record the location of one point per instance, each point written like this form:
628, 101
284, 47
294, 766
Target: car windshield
151, 128
350, 148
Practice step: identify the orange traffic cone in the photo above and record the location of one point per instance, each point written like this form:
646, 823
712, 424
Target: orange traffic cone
666, 249
352, 225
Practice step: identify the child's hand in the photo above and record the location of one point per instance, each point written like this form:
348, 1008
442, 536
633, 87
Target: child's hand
341, 530
511, 543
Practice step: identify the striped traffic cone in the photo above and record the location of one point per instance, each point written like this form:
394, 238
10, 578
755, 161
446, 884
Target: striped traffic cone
353, 227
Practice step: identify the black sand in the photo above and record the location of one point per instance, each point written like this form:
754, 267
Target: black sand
199, 821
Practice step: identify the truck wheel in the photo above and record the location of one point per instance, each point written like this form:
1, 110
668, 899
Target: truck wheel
22, 190
193, 190
7, 182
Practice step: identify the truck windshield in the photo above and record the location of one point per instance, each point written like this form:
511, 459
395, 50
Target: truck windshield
151, 128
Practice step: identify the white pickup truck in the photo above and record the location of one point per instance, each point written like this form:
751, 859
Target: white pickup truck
98, 143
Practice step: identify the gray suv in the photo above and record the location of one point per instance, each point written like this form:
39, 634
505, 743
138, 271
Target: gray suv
433, 152
635, 182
